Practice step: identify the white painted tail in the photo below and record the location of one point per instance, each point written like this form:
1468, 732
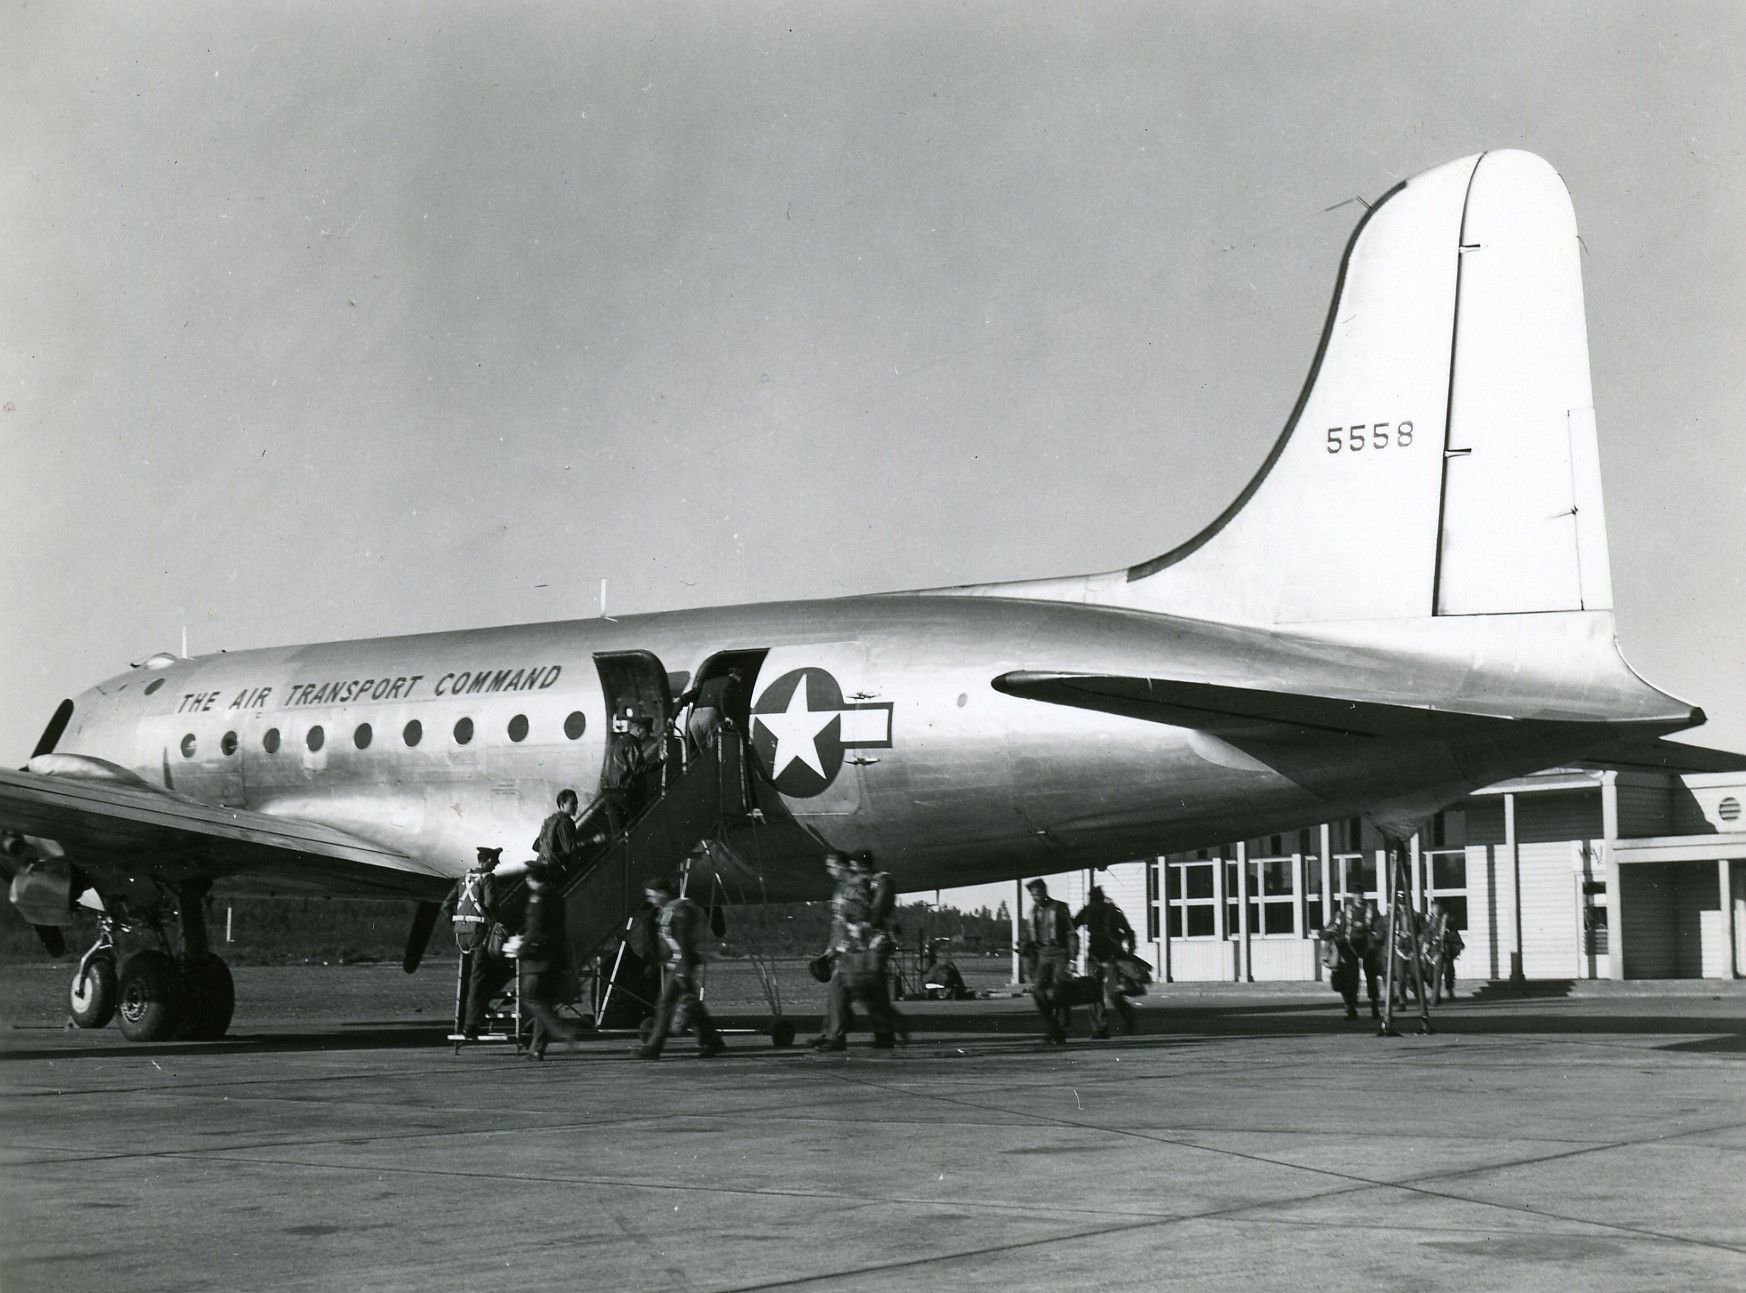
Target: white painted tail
1441, 460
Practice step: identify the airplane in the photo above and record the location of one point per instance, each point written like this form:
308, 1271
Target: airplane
1409, 600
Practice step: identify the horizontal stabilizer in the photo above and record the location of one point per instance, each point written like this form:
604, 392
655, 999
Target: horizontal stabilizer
1668, 756
1239, 713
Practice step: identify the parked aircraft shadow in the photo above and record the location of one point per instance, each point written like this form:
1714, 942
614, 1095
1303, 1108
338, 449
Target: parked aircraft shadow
1162, 1023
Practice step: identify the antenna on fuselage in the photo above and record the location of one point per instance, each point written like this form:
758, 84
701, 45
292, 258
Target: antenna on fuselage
185, 654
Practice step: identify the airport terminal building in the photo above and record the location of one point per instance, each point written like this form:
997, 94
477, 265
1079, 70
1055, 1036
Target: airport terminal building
1564, 874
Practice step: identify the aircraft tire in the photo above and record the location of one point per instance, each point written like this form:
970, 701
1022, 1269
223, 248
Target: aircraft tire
782, 1032
209, 999
150, 1003
93, 995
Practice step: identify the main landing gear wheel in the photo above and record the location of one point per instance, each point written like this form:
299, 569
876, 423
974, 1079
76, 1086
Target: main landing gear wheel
208, 999
782, 1032
94, 993
150, 1005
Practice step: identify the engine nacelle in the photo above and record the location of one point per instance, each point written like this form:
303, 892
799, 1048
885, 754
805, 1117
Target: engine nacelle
43, 892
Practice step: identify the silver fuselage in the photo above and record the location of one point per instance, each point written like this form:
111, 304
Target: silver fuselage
951, 781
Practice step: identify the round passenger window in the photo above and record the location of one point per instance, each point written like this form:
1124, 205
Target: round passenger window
153, 685
188, 746
361, 737
463, 731
518, 728
575, 725
228, 744
414, 732
270, 740
316, 738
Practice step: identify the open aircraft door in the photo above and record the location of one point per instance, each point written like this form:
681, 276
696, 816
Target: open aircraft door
635, 680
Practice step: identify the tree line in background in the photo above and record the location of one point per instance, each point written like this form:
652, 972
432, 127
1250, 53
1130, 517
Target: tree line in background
297, 931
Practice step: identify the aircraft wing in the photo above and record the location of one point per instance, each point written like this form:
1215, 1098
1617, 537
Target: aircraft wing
123, 823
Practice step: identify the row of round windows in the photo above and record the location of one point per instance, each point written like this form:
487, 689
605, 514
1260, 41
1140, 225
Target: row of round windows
363, 734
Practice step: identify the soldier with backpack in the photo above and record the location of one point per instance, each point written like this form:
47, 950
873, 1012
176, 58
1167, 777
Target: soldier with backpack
471, 908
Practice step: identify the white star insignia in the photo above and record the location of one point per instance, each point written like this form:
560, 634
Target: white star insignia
796, 732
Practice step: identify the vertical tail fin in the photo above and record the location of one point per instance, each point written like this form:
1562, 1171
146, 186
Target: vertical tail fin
1441, 459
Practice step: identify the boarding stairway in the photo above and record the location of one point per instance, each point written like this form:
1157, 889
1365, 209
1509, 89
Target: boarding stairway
689, 800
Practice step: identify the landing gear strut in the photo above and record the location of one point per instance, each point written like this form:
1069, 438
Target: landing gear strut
158, 996
94, 993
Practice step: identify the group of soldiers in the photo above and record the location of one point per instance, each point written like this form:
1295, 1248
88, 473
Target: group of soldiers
856, 964
477, 909
1425, 948
1052, 945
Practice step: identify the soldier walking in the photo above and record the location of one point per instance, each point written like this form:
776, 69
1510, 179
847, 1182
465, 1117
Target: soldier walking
545, 955
1107, 936
681, 923
1056, 944
1353, 935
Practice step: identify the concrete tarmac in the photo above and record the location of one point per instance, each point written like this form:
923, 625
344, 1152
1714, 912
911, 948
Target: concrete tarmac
1590, 1139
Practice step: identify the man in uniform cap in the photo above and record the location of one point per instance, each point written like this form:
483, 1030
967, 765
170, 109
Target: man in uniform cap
682, 924
1052, 935
472, 909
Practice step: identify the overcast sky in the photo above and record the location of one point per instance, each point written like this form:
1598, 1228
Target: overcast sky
337, 320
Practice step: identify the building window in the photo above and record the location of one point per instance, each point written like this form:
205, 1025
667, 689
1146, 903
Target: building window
1152, 901
1190, 898
1272, 898
1447, 870
518, 728
1354, 876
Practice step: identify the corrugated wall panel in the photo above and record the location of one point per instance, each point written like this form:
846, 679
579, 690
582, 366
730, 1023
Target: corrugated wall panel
1644, 809
1650, 940
1482, 958
1558, 817
1549, 936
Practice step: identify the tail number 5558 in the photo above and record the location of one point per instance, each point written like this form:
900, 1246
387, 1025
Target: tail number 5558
1369, 435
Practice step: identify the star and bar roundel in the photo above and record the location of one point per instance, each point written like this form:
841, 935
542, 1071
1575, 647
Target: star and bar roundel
801, 725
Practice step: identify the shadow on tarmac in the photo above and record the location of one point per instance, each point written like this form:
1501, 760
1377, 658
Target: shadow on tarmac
1163, 1022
